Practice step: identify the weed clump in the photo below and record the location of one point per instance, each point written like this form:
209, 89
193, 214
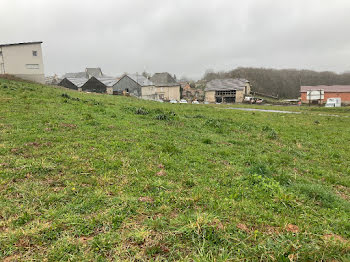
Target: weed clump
141, 111
271, 133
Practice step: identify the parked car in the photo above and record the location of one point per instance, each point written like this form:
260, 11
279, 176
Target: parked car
248, 98
206, 103
173, 101
183, 101
333, 102
195, 102
160, 101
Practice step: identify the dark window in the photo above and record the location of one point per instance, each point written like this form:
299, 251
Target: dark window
35, 53
0, 52
127, 90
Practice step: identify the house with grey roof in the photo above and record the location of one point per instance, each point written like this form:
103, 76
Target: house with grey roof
228, 90
167, 88
93, 72
135, 85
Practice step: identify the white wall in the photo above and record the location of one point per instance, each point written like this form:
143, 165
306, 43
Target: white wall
18, 60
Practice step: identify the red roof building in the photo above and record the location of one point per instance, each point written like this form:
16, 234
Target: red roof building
329, 92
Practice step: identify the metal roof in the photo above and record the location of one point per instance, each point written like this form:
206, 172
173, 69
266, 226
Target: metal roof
329, 89
141, 80
23, 43
108, 81
164, 79
226, 84
79, 82
75, 75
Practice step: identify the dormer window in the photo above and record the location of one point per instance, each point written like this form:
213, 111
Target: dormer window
35, 53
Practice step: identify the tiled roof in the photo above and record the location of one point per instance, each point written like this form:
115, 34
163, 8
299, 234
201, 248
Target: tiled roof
164, 79
329, 89
226, 84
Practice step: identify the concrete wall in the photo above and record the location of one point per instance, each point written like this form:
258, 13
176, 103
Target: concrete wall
18, 60
248, 89
240, 96
345, 97
168, 93
148, 92
210, 97
110, 90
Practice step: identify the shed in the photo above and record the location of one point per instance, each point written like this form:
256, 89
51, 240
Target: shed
94, 85
135, 85
73, 83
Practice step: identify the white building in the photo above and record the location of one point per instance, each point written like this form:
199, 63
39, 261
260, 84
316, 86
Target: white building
23, 60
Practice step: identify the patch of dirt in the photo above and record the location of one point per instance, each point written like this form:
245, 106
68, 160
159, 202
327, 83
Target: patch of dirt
12, 258
292, 228
146, 199
216, 223
161, 173
70, 126
335, 237
84, 239
243, 227
343, 192
271, 230
14, 150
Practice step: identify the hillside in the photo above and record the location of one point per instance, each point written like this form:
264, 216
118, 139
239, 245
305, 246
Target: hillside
284, 83
87, 177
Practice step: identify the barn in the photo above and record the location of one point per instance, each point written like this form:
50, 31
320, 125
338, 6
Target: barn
320, 94
94, 85
73, 83
135, 85
228, 90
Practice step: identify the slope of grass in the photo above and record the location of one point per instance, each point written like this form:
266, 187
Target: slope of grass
87, 177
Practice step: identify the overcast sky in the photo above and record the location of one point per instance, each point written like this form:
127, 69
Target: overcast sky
183, 37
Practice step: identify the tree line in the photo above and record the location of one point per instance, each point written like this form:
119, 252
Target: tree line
284, 83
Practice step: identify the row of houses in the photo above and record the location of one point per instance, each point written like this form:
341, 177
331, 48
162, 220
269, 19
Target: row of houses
160, 86
25, 60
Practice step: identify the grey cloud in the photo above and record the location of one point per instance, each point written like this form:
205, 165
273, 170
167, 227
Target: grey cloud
182, 37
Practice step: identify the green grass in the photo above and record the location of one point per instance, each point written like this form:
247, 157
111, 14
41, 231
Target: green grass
87, 177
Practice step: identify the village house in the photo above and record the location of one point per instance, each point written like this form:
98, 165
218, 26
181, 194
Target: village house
93, 72
135, 85
191, 94
23, 60
227, 90
166, 86
320, 94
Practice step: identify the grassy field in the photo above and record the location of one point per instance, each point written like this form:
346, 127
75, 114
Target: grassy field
87, 177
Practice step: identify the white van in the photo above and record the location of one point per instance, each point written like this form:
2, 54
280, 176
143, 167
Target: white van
333, 102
